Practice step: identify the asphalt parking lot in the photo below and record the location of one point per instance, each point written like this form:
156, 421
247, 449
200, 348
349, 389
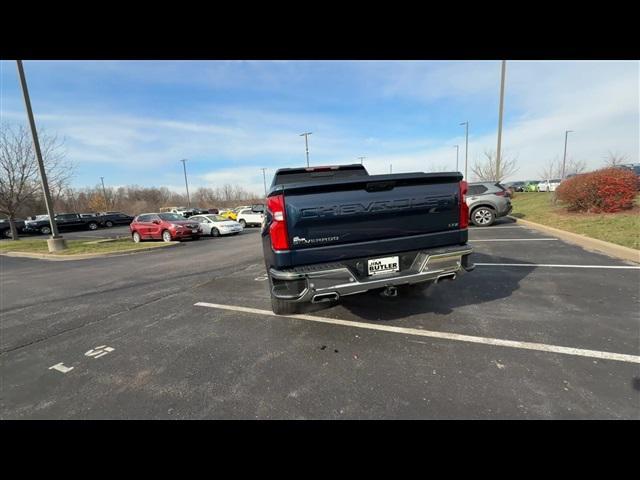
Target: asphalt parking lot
540, 330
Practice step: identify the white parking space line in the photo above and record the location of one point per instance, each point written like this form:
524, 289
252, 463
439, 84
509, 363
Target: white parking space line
541, 347
515, 240
629, 267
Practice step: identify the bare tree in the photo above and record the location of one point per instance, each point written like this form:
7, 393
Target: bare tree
553, 168
19, 177
613, 159
486, 170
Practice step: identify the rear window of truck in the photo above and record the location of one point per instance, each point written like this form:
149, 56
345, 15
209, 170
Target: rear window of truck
300, 175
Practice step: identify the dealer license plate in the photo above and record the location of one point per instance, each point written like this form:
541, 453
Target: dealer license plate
378, 266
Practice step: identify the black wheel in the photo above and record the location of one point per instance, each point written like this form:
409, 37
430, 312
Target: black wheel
108, 223
243, 223
136, 237
282, 307
215, 232
93, 226
7, 233
45, 230
483, 217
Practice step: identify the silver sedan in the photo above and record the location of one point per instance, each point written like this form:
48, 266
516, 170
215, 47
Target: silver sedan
215, 225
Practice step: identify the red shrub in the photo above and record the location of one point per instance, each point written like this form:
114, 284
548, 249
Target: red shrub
606, 190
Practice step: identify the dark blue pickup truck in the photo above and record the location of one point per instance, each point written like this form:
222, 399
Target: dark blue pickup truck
335, 231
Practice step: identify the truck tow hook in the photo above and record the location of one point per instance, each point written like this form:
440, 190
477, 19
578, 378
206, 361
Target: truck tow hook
390, 291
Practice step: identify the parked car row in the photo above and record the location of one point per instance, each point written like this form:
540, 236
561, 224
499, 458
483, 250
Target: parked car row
229, 213
39, 224
548, 185
174, 226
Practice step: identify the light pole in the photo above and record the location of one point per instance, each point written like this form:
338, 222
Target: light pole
306, 144
564, 157
466, 148
56, 242
104, 194
186, 184
457, 151
504, 68
264, 180
362, 160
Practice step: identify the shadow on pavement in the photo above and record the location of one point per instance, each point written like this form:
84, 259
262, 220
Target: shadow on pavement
484, 284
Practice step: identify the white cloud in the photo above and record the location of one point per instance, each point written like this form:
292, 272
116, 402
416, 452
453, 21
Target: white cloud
598, 100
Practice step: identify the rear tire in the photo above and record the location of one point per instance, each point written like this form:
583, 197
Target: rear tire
483, 217
282, 307
243, 223
109, 224
215, 232
93, 226
45, 230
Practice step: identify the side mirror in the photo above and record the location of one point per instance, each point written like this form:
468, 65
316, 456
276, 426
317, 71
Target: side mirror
157, 222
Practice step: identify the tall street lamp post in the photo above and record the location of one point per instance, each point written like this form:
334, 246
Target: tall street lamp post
466, 148
504, 68
186, 184
264, 180
306, 144
55, 242
564, 157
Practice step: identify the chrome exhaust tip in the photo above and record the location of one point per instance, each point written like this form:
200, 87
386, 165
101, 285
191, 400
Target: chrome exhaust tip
325, 297
448, 276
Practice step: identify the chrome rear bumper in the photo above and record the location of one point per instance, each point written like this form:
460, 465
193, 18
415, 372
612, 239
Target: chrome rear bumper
325, 283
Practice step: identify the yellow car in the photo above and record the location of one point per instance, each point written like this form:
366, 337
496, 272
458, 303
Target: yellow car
230, 214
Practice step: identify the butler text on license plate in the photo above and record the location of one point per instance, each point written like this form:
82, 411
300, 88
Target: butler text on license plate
384, 265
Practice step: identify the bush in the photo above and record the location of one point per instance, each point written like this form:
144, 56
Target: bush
606, 190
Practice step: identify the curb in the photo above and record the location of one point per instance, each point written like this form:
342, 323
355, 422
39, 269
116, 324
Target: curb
86, 256
588, 243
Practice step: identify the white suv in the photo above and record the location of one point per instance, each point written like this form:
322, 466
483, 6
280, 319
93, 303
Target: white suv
548, 185
247, 217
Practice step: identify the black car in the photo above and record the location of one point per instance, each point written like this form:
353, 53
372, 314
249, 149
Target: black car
5, 228
515, 186
64, 221
109, 219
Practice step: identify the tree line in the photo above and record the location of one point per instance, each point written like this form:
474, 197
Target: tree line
21, 192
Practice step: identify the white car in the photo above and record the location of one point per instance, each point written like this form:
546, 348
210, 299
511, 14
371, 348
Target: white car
549, 185
247, 216
215, 225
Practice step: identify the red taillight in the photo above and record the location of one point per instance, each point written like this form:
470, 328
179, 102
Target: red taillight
278, 227
501, 193
464, 209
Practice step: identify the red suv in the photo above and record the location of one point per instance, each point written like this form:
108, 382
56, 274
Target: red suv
163, 226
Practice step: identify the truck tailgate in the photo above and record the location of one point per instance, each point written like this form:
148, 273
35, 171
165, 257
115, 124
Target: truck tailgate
369, 208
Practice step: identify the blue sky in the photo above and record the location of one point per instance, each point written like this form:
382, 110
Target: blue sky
132, 121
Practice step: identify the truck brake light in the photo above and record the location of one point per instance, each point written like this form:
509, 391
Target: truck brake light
464, 209
278, 228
